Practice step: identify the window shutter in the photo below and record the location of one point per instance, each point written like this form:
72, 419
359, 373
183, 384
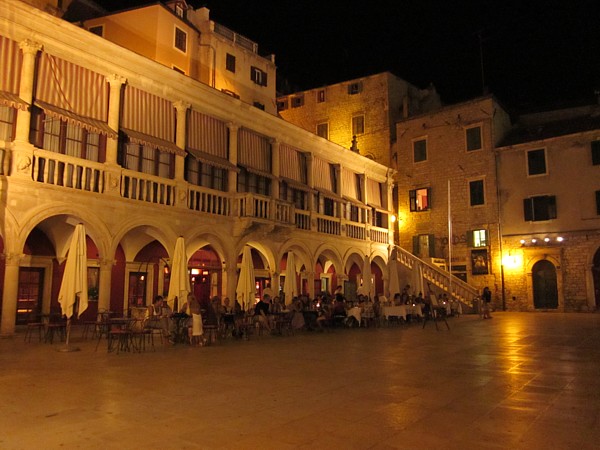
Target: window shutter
470, 239
415, 240
412, 198
264, 78
528, 209
551, 207
431, 246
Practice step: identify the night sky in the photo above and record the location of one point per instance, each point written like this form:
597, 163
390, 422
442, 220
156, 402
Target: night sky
536, 54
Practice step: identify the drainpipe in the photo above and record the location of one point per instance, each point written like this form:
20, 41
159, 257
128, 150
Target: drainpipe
212, 81
503, 287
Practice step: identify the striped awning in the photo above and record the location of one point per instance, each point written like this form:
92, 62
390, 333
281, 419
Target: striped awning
10, 65
207, 134
145, 139
12, 100
292, 163
322, 176
254, 151
87, 123
295, 184
349, 184
211, 159
373, 193
262, 173
72, 88
148, 114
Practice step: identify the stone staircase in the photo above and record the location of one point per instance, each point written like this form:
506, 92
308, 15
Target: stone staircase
439, 278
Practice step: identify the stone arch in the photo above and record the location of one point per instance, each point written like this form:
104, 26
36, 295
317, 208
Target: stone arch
553, 259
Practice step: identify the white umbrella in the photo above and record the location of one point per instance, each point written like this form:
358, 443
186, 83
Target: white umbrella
246, 286
74, 283
179, 284
367, 287
394, 279
290, 288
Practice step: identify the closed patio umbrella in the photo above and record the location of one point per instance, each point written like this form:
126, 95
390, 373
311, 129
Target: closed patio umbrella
246, 285
74, 282
367, 287
179, 284
290, 288
418, 279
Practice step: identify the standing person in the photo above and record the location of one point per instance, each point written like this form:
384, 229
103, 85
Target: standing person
195, 329
486, 297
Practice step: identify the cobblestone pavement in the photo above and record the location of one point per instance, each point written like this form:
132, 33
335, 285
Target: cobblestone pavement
520, 380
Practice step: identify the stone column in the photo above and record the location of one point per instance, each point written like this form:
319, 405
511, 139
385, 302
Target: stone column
338, 189
310, 181
9, 298
233, 157
230, 280
310, 277
114, 109
105, 283
180, 135
30, 50
274, 282
112, 174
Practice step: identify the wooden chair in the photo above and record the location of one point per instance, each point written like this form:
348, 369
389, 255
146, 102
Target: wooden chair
36, 322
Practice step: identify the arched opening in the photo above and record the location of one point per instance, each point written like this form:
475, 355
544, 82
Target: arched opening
545, 290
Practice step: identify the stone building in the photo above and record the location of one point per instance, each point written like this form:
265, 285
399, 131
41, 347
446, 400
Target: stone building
549, 191
142, 154
359, 114
446, 180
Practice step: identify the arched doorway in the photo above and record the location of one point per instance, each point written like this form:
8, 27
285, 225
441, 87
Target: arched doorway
545, 290
596, 277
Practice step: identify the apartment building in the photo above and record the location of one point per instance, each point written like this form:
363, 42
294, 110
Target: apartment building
142, 154
549, 193
186, 40
359, 114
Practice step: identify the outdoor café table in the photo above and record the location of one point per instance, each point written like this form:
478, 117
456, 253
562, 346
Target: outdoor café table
356, 313
119, 334
395, 311
310, 318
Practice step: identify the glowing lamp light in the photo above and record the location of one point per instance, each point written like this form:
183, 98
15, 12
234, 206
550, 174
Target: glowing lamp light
560, 239
393, 218
512, 261
195, 271
533, 241
546, 239
522, 241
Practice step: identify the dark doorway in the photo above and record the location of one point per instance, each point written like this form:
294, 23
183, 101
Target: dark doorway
31, 288
545, 290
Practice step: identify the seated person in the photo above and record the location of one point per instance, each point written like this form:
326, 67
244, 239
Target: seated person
157, 317
261, 313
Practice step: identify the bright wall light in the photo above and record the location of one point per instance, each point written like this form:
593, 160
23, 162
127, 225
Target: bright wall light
512, 261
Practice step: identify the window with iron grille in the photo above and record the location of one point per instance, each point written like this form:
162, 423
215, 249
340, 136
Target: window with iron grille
180, 39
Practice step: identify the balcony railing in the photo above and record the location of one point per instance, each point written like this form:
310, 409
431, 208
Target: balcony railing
147, 188
208, 201
62, 170
76, 173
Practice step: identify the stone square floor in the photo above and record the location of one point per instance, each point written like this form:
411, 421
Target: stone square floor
520, 380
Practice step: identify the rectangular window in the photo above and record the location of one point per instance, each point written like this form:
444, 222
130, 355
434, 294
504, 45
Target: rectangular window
477, 192
251, 182
180, 39
596, 153
355, 88
323, 130
328, 207
419, 199
230, 63
7, 123
320, 95
536, 162
259, 105
420, 150
358, 125
477, 238
258, 76
282, 104
297, 101
598, 203
473, 138
539, 208
179, 11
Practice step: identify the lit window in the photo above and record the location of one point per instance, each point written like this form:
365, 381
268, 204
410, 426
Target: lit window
477, 238
180, 39
476, 193
419, 199
358, 125
473, 138
230, 63
323, 130
539, 208
420, 150
536, 162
